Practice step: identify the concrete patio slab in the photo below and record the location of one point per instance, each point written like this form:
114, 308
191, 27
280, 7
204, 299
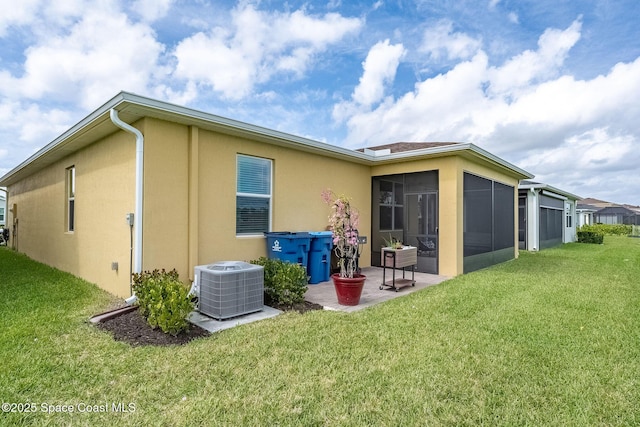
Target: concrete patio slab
213, 325
324, 294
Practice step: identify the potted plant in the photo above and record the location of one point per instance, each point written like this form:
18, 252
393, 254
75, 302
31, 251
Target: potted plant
343, 223
392, 243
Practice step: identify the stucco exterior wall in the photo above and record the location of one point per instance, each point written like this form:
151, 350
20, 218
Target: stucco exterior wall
166, 195
190, 195
450, 203
298, 180
104, 194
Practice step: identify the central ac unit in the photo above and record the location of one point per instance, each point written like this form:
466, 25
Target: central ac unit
229, 289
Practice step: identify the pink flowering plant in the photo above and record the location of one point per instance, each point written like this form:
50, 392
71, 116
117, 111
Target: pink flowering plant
343, 223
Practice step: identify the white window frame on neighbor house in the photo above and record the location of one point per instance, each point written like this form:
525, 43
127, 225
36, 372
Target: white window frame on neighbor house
70, 195
569, 215
256, 184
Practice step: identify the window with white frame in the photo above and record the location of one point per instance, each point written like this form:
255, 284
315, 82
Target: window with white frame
253, 195
1, 214
71, 198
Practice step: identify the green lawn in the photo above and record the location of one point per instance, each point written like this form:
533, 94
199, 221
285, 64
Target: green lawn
552, 338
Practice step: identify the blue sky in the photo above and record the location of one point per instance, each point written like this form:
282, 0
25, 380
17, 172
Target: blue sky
550, 86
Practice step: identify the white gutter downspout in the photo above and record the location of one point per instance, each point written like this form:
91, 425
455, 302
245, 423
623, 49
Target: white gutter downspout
137, 218
535, 222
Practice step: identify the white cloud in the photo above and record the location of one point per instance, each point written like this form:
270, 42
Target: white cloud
455, 45
208, 60
532, 112
17, 13
26, 125
594, 151
434, 111
586, 160
96, 57
379, 69
42, 17
531, 66
513, 18
256, 46
609, 100
151, 10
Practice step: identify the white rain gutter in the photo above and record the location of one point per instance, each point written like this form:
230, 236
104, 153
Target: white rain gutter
137, 217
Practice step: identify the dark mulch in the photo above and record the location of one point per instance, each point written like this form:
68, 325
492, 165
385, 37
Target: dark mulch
132, 328
302, 307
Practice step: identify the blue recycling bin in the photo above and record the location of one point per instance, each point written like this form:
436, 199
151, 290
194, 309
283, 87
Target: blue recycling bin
319, 266
287, 246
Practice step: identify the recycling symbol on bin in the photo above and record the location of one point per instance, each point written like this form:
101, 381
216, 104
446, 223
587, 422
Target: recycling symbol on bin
276, 247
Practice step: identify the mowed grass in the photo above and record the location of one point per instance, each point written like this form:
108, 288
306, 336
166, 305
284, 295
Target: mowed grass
552, 338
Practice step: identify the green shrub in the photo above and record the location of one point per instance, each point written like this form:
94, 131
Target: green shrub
590, 237
284, 283
608, 229
163, 300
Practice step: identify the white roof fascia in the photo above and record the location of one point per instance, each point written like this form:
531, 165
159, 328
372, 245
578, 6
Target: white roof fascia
195, 117
549, 191
125, 98
448, 149
554, 195
242, 126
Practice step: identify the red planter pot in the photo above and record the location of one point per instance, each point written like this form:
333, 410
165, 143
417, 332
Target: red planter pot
348, 290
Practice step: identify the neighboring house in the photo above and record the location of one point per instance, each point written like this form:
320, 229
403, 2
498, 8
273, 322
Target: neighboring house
3, 209
611, 213
228, 182
546, 216
616, 215
584, 214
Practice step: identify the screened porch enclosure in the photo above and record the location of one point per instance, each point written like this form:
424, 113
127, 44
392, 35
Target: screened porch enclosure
551, 221
489, 227
405, 208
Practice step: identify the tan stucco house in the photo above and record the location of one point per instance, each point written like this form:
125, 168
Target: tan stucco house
142, 184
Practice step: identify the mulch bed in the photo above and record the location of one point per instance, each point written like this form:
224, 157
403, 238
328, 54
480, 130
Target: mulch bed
302, 307
133, 329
